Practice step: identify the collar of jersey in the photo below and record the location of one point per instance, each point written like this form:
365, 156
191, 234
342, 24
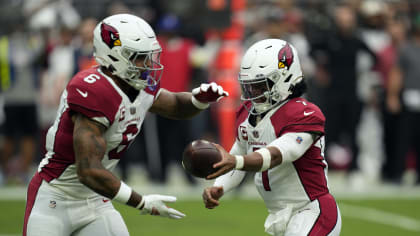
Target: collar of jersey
112, 82
269, 113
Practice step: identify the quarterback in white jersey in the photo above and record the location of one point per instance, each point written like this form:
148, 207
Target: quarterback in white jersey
280, 136
100, 114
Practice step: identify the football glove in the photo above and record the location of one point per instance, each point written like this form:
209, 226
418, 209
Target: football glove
207, 93
154, 205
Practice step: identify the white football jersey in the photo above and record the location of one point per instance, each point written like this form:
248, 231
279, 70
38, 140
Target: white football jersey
294, 183
96, 96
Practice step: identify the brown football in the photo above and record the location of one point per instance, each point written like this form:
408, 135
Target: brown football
199, 157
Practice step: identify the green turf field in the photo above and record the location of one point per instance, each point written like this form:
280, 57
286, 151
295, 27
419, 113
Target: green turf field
246, 217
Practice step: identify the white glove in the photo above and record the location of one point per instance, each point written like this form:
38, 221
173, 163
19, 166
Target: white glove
156, 202
207, 93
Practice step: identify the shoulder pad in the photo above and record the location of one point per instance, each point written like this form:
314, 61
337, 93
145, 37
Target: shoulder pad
91, 94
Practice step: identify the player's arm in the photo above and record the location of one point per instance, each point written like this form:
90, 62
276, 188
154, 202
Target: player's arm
185, 105
224, 183
89, 148
287, 148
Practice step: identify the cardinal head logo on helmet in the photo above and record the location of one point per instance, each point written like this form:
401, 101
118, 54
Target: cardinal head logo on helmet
110, 36
285, 57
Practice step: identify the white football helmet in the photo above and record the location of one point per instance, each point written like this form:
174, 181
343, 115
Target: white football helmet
119, 40
269, 69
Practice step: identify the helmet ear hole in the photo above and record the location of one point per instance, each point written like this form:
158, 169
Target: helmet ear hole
111, 68
112, 58
270, 84
288, 78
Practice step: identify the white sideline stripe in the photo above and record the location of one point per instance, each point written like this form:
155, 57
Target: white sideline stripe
9, 234
381, 217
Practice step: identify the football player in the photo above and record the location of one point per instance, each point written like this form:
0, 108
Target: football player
100, 114
280, 136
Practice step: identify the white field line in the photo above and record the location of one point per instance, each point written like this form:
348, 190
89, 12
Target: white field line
381, 217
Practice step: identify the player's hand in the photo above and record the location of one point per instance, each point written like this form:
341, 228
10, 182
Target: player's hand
211, 196
208, 93
227, 163
154, 205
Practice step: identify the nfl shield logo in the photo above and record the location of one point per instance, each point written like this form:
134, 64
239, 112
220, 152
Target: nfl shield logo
53, 204
256, 134
299, 139
132, 110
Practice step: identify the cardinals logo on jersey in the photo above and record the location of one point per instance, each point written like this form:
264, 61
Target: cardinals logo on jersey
285, 57
110, 35
244, 133
122, 113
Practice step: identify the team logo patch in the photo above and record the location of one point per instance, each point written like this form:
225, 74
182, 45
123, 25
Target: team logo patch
256, 134
285, 57
53, 204
242, 130
110, 36
122, 113
299, 140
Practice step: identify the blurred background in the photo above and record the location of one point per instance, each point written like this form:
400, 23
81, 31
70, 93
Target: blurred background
359, 57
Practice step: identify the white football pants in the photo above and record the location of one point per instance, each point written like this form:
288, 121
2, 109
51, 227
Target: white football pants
321, 217
55, 214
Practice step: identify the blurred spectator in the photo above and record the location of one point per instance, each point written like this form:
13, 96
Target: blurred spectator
374, 19
336, 56
295, 35
272, 25
19, 81
173, 135
50, 13
84, 45
386, 61
403, 97
61, 67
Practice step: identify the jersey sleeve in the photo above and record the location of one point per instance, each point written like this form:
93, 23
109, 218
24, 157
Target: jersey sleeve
98, 100
313, 122
154, 90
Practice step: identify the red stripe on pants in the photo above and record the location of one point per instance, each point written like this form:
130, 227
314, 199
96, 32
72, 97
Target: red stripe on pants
327, 218
266, 182
30, 199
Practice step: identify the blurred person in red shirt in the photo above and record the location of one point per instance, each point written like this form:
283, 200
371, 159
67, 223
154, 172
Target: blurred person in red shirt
173, 135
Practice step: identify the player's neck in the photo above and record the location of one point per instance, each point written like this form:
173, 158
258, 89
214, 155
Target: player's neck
127, 89
255, 119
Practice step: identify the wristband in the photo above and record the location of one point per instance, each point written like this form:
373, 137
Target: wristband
141, 204
266, 158
198, 104
124, 193
239, 162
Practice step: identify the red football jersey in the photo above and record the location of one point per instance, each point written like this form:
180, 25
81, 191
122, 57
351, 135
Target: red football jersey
95, 95
300, 181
